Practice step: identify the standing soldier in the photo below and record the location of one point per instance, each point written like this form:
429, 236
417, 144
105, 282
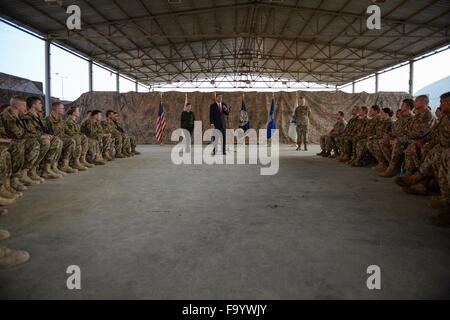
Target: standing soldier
16, 129
302, 114
57, 127
73, 129
50, 146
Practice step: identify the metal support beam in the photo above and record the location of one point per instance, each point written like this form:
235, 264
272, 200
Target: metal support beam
47, 79
376, 82
117, 82
91, 78
353, 87
411, 77
137, 86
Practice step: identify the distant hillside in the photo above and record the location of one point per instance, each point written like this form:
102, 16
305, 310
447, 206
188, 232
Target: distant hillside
435, 90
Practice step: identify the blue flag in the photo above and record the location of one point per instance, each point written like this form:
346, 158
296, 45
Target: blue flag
271, 125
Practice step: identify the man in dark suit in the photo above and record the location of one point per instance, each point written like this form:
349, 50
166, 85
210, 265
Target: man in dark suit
217, 113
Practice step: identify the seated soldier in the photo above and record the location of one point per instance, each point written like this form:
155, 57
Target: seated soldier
367, 133
16, 129
57, 127
16, 153
382, 133
6, 196
73, 129
416, 152
393, 147
351, 140
349, 129
91, 129
132, 139
436, 161
109, 126
50, 146
328, 142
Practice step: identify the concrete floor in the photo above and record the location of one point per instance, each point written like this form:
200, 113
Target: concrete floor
143, 228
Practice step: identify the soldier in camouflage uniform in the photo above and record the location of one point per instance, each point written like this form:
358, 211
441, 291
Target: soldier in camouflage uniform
129, 141
416, 152
16, 129
95, 136
417, 128
349, 129
398, 131
302, 114
436, 161
351, 140
50, 146
382, 134
328, 142
16, 152
57, 127
106, 138
6, 196
109, 126
73, 129
368, 133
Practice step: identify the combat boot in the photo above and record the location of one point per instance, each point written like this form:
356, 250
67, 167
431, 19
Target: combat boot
78, 166
391, 171
99, 161
54, 168
439, 202
7, 185
107, 156
17, 184
25, 179
321, 153
380, 167
306, 147
344, 158
408, 180
136, 153
419, 189
7, 194
49, 174
6, 202
34, 176
85, 163
11, 258
4, 235
3, 212
120, 156
66, 168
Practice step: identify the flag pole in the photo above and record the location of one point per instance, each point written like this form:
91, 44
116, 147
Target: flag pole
162, 134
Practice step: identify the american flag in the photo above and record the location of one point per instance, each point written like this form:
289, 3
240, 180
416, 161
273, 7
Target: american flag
160, 123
